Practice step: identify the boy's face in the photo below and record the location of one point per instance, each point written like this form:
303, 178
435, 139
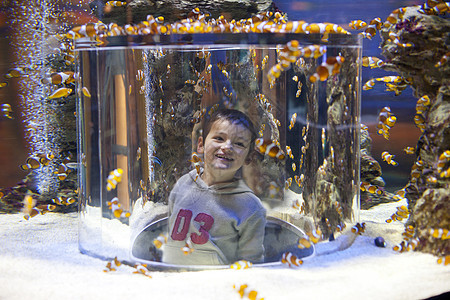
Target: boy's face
225, 150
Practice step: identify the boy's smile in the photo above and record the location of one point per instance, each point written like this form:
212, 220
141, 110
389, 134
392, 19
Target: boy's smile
225, 150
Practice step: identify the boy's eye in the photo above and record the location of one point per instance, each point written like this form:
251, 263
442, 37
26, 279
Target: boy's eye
240, 144
218, 138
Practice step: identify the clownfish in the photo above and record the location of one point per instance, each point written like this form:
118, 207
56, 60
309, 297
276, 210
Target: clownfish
315, 235
112, 265
373, 189
444, 158
203, 53
6, 111
241, 264
58, 78
372, 28
63, 170
270, 148
30, 210
409, 150
408, 233
328, 68
291, 260
114, 178
372, 62
359, 228
288, 183
160, 240
188, 247
386, 120
62, 200
304, 242
357, 24
339, 209
443, 60
34, 162
394, 17
142, 269
422, 104
389, 158
292, 121
401, 213
394, 38
289, 152
116, 208
439, 233
197, 162
444, 260
244, 292
369, 84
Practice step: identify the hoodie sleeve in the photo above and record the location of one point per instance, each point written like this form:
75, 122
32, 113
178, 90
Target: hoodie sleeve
251, 236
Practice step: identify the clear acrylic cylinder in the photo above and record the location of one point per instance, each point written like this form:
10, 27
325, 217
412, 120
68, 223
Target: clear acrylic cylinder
139, 109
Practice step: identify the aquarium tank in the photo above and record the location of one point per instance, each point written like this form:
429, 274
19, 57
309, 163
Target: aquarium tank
142, 99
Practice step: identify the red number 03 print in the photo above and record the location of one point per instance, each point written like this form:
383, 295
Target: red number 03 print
182, 222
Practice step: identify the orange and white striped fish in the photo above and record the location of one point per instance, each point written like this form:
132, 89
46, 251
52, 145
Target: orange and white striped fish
114, 177
142, 269
304, 242
328, 68
315, 235
160, 240
60, 77
292, 121
243, 291
389, 158
409, 150
444, 60
314, 51
372, 62
357, 24
188, 248
112, 265
444, 260
395, 16
369, 84
34, 162
197, 162
386, 120
117, 209
401, 213
359, 228
373, 189
291, 260
270, 148
62, 200
30, 210
408, 234
372, 28
241, 265
116, 3
439, 233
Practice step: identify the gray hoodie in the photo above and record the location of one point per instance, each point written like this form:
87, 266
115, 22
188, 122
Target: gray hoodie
223, 222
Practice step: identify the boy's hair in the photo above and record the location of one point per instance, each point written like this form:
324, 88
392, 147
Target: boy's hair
234, 117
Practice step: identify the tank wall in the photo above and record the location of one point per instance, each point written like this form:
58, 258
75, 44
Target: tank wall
143, 117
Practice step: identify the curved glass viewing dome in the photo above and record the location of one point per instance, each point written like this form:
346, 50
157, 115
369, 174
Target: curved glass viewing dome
141, 102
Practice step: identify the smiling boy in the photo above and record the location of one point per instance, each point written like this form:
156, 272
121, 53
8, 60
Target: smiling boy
215, 217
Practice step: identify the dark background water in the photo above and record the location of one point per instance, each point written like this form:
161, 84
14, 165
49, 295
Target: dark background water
404, 133
13, 147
